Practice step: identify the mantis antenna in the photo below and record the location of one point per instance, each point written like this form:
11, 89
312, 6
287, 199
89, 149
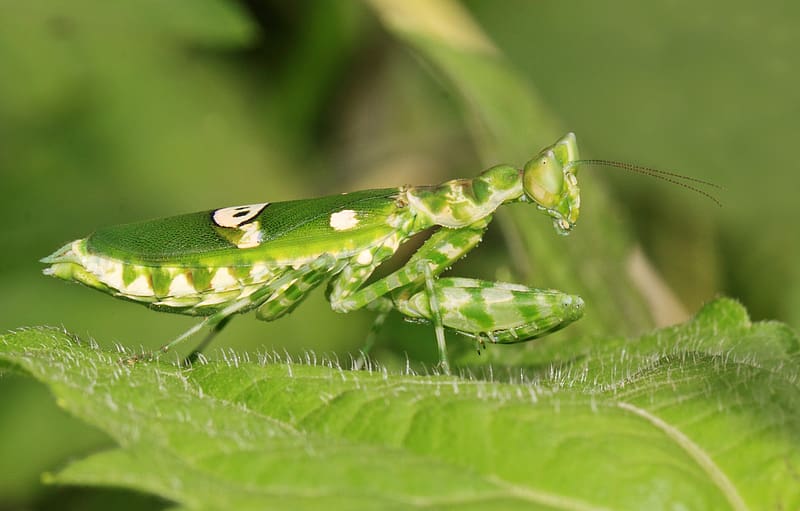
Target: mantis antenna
670, 177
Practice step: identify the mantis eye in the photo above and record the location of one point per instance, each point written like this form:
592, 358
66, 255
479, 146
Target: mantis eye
543, 180
549, 181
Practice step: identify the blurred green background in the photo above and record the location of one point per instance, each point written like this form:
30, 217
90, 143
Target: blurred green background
115, 112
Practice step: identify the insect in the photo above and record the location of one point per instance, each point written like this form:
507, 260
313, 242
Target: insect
268, 256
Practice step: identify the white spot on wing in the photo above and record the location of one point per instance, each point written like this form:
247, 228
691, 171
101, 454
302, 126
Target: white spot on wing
344, 220
251, 237
237, 215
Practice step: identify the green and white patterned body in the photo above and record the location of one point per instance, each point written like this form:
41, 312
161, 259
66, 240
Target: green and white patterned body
269, 256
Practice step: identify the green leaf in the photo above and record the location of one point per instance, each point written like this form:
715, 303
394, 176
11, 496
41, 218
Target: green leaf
700, 416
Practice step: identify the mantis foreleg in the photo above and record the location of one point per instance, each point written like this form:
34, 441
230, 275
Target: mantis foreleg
438, 253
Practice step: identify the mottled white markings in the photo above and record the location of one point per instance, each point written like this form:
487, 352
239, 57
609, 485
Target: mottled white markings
496, 295
180, 286
139, 287
140, 299
258, 272
394, 281
248, 290
178, 301
223, 280
344, 220
100, 265
392, 242
454, 298
394, 220
450, 251
112, 276
237, 215
214, 299
281, 290
364, 257
510, 286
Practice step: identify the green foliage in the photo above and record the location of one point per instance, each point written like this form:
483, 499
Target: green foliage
114, 113
700, 416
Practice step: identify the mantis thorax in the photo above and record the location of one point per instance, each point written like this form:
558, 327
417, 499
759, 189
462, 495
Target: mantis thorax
548, 180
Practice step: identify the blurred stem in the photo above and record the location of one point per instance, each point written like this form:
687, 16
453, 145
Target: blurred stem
308, 44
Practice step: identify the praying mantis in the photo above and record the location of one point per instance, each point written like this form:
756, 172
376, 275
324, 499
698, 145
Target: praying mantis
267, 257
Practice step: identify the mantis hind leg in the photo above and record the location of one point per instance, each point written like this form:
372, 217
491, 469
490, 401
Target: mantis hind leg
383, 306
272, 290
287, 297
216, 321
434, 307
216, 329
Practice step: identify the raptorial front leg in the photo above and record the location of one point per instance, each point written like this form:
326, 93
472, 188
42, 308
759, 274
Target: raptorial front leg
438, 253
497, 311
210, 336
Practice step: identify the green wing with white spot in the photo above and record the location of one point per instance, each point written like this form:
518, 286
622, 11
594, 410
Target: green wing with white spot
277, 231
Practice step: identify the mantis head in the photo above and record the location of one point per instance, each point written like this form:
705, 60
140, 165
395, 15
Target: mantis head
550, 181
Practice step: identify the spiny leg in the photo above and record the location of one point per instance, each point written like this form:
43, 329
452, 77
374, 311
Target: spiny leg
383, 306
352, 276
195, 354
213, 320
288, 296
436, 317
497, 311
438, 253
